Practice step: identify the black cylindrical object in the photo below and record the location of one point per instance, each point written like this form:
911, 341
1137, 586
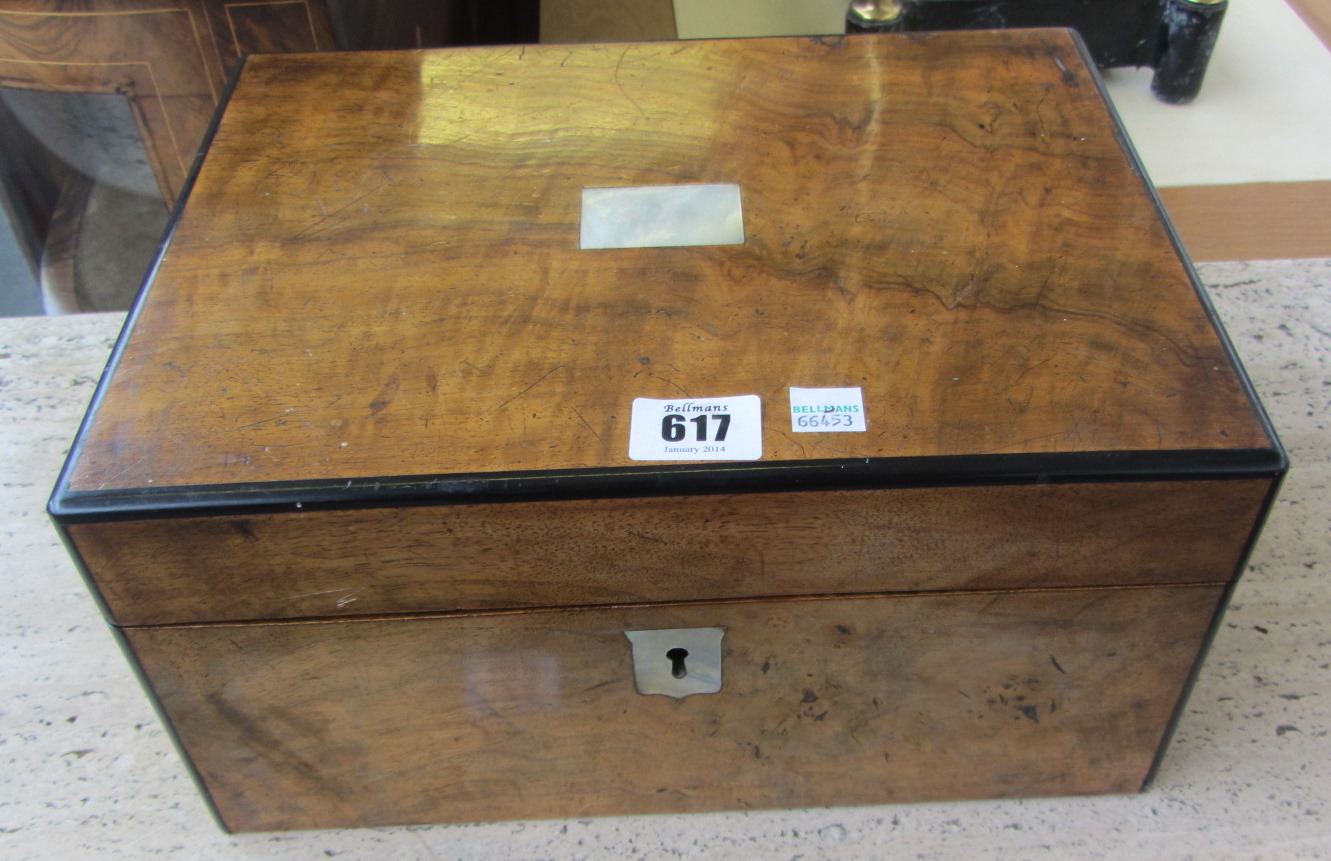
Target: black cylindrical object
1188, 31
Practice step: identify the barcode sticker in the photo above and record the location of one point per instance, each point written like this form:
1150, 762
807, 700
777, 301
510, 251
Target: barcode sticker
827, 410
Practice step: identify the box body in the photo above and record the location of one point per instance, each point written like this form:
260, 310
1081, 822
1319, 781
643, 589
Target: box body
356, 489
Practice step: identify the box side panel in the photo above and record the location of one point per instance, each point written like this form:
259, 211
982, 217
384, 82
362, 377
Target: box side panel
612, 551
1251, 544
535, 714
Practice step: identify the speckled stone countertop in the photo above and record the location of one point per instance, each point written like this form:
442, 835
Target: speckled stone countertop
87, 772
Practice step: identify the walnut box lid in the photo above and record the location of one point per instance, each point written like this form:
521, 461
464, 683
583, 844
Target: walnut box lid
376, 284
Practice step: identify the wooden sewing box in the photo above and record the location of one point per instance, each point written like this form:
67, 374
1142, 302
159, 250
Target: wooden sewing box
355, 491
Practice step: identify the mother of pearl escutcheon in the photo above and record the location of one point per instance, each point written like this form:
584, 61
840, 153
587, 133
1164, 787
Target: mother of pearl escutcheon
677, 662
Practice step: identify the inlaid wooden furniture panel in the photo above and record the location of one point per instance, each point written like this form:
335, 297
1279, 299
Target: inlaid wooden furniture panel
357, 490
169, 59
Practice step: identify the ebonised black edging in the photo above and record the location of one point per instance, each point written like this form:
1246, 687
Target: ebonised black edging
667, 480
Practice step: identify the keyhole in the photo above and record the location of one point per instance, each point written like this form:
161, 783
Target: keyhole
677, 656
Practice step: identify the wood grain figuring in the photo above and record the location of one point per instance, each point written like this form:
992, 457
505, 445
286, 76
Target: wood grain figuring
1252, 221
319, 725
378, 273
611, 551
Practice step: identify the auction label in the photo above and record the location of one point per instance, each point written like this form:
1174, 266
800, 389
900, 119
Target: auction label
697, 429
826, 410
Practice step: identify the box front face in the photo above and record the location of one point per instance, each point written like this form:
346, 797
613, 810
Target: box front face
520, 715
